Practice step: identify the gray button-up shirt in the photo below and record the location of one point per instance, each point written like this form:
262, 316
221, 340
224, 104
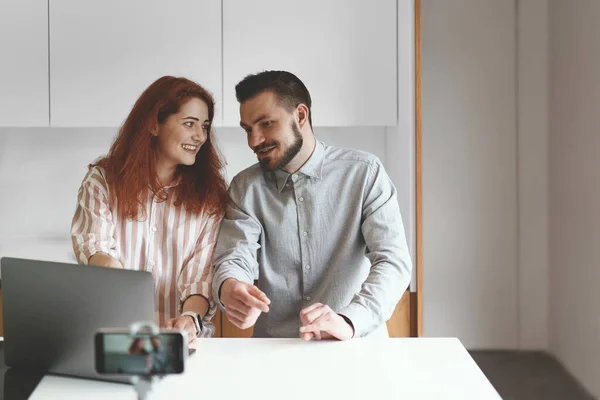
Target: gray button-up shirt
330, 233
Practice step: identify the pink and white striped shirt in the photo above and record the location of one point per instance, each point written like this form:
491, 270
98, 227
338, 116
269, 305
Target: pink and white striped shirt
175, 245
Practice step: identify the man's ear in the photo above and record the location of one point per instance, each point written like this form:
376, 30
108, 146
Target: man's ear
302, 113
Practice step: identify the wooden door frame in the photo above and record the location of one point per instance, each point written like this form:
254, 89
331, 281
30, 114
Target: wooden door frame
417, 296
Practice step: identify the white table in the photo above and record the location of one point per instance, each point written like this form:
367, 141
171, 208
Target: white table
424, 368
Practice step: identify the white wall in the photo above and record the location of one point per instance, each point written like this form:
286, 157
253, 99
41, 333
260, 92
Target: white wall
574, 160
470, 206
485, 135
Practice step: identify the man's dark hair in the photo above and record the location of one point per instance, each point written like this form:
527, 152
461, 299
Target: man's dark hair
290, 90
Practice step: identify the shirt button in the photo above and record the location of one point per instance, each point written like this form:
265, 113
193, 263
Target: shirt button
307, 298
305, 233
307, 267
301, 198
154, 229
287, 185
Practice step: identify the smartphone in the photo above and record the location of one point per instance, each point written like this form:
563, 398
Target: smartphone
118, 352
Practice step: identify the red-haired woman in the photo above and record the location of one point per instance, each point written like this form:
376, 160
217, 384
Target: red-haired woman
155, 202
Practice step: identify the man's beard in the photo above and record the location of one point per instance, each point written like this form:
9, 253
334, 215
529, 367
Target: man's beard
288, 154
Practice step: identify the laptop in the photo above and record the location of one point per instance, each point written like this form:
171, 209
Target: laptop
52, 310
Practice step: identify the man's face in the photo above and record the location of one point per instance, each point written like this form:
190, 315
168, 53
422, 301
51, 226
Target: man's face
273, 132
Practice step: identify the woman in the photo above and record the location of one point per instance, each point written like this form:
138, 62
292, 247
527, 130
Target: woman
155, 202
138, 347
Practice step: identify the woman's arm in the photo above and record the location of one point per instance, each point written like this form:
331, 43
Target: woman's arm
92, 228
198, 304
195, 279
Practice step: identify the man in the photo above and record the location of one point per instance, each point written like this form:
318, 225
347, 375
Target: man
319, 226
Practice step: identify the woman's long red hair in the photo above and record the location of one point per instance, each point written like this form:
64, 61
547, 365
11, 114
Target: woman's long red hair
130, 165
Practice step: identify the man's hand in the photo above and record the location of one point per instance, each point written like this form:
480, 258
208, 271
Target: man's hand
319, 321
186, 324
243, 302
104, 260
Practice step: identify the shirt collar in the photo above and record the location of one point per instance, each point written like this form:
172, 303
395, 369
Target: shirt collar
313, 167
174, 183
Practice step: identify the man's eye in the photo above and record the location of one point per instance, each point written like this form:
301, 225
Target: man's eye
267, 123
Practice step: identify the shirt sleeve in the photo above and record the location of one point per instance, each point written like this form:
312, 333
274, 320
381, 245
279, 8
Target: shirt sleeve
92, 227
388, 253
195, 277
237, 245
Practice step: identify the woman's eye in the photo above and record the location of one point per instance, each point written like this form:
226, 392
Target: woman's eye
205, 127
189, 124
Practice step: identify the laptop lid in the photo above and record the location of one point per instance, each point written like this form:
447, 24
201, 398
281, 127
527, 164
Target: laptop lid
52, 310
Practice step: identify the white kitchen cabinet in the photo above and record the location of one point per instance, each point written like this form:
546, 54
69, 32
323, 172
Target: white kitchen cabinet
103, 54
24, 63
344, 52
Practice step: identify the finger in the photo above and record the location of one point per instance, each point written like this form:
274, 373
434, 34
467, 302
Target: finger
169, 323
311, 316
319, 324
189, 328
307, 336
184, 324
252, 301
311, 328
236, 314
259, 294
191, 336
238, 305
236, 321
308, 309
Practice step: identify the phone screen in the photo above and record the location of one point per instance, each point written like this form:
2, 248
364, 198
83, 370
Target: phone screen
139, 354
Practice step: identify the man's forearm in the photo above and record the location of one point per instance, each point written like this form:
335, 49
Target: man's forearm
223, 272
379, 294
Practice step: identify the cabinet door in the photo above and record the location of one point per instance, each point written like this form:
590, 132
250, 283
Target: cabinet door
399, 323
229, 330
24, 63
344, 52
103, 54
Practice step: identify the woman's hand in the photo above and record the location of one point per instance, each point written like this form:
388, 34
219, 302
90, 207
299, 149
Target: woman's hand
104, 260
185, 324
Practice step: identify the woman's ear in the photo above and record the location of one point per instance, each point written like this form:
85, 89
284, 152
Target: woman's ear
154, 130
